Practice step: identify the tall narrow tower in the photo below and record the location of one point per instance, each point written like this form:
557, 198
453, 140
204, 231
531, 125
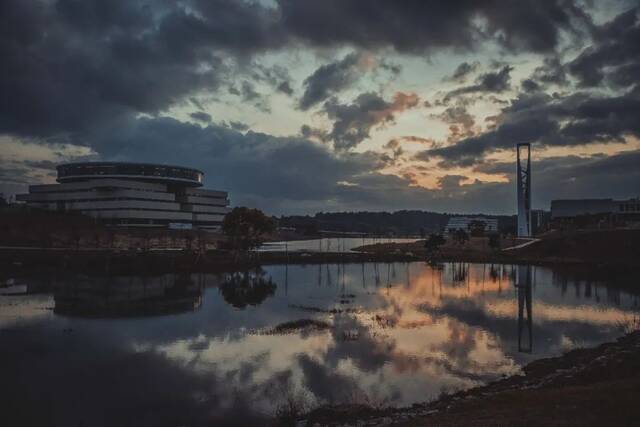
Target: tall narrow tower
524, 189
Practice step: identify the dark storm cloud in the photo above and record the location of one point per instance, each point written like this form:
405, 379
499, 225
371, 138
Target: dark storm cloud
615, 176
201, 116
329, 79
352, 123
83, 71
276, 76
550, 72
463, 71
529, 85
69, 65
302, 176
72, 65
494, 82
100, 61
14, 175
574, 119
419, 25
578, 119
299, 170
315, 134
596, 176
249, 94
239, 126
460, 122
615, 53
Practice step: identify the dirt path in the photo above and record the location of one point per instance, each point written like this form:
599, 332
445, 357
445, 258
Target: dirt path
522, 245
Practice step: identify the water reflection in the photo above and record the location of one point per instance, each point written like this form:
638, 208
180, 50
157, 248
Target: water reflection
127, 296
329, 244
241, 289
399, 333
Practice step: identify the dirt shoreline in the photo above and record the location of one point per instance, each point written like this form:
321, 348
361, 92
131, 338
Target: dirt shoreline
594, 386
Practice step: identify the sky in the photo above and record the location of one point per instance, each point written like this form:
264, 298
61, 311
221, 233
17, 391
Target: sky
301, 106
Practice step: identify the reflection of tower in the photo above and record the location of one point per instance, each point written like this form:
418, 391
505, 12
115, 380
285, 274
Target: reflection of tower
523, 287
524, 190
121, 296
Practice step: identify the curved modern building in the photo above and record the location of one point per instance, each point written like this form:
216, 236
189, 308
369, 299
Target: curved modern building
133, 194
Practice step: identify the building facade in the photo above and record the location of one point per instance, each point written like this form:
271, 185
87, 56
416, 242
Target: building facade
133, 195
582, 207
466, 223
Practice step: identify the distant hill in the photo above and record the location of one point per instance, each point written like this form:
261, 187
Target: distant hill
398, 223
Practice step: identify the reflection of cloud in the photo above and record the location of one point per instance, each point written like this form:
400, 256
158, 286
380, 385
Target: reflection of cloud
367, 353
434, 334
326, 384
549, 335
461, 342
91, 380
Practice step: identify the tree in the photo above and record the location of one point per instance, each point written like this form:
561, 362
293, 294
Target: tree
460, 236
433, 243
477, 228
246, 228
494, 241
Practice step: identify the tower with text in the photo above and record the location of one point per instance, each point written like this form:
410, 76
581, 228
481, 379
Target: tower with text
524, 189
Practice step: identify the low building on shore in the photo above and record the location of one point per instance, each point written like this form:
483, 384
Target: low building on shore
580, 207
472, 224
133, 195
595, 213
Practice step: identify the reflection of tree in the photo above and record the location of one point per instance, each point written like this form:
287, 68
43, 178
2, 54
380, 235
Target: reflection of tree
247, 288
459, 273
494, 273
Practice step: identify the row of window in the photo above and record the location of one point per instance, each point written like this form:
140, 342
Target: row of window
129, 169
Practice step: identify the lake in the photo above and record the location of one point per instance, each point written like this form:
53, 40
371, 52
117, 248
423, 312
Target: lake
200, 349
329, 244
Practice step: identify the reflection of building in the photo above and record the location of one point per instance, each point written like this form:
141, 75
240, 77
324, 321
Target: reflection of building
128, 296
467, 222
132, 194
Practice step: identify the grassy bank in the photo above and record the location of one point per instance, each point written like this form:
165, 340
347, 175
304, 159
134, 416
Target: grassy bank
598, 253
27, 261
614, 249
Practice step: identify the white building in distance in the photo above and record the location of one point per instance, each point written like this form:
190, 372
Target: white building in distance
580, 207
464, 222
132, 195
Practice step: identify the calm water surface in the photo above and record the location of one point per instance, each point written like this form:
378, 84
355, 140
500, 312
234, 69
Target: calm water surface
201, 349
329, 244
